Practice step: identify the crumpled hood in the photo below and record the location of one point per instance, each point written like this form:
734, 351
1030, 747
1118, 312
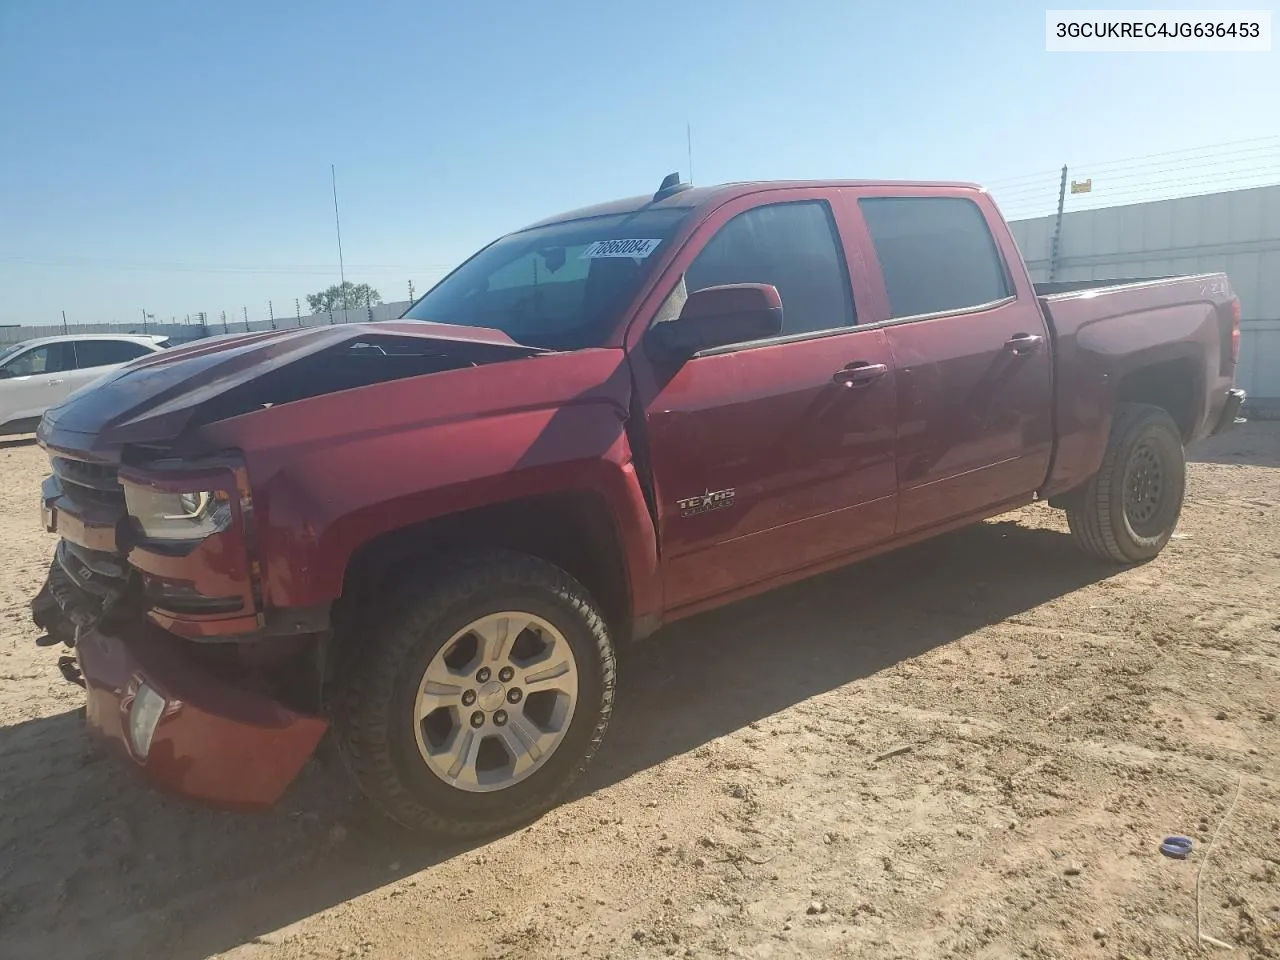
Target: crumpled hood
155, 398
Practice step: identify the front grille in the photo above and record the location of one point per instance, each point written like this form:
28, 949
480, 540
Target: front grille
84, 482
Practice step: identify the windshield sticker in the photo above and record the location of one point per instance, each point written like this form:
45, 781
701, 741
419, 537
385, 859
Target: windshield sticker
636, 249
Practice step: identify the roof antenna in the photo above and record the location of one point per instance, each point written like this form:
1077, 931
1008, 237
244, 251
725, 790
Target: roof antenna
669, 187
688, 130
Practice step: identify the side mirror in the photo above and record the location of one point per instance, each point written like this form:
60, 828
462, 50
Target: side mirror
5, 373
717, 317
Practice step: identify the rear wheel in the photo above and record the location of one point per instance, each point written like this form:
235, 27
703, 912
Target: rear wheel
1128, 511
479, 698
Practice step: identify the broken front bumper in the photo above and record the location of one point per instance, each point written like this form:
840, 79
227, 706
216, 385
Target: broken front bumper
187, 730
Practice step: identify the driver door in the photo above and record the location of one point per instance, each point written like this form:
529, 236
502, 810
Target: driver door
765, 458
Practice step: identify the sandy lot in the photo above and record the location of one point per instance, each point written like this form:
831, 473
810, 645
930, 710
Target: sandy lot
1061, 718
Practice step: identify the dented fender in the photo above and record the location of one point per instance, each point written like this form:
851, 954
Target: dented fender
333, 472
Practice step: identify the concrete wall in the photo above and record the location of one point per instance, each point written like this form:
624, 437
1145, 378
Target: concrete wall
1237, 232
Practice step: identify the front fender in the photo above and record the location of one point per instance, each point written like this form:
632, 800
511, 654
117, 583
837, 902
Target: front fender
493, 434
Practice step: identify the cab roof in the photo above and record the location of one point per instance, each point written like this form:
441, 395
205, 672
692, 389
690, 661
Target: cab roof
691, 197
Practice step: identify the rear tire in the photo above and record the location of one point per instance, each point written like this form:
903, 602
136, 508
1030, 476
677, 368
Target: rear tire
438, 726
1130, 508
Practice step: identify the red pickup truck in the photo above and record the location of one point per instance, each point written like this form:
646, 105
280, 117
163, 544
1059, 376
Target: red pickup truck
428, 536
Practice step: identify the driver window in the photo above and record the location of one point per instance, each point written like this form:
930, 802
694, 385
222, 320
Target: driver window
793, 246
49, 358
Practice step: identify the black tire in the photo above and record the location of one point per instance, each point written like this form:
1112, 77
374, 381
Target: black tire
372, 711
1105, 523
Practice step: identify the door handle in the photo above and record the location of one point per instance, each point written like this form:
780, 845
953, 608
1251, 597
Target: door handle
1024, 344
860, 373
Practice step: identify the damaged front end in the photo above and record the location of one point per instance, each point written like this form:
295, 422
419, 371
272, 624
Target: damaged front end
152, 586
84, 586
156, 583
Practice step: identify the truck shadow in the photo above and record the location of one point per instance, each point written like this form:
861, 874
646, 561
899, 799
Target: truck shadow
710, 675
95, 864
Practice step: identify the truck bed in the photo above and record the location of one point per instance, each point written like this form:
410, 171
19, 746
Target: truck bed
1173, 337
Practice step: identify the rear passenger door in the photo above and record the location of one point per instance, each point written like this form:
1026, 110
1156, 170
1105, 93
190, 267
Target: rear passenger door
97, 357
764, 459
975, 382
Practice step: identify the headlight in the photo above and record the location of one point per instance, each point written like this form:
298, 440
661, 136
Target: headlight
191, 515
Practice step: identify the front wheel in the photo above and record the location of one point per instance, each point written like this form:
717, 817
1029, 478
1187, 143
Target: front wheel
479, 698
1128, 511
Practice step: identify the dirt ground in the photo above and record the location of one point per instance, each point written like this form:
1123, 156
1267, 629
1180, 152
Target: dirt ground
968, 749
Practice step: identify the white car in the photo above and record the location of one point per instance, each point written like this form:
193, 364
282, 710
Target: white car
37, 374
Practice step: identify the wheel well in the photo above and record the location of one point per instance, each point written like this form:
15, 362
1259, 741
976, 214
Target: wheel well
573, 530
1171, 385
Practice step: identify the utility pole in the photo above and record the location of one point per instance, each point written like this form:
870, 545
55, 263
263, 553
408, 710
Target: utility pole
1057, 226
144, 320
246, 319
411, 291
64, 321
342, 273
271, 313
224, 322
297, 309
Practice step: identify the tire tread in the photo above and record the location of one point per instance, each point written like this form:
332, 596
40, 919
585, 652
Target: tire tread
1091, 511
360, 708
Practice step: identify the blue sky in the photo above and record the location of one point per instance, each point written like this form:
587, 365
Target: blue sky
175, 156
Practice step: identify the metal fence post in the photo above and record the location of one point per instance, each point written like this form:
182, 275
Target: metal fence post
1057, 226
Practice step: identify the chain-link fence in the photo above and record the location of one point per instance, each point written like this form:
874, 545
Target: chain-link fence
208, 326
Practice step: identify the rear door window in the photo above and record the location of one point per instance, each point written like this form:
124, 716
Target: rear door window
101, 353
936, 254
793, 246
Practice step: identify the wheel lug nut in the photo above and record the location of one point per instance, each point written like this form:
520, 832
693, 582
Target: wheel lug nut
514, 695
483, 675
500, 717
505, 674
468, 698
477, 719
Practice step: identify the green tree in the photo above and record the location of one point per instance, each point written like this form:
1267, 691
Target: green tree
353, 296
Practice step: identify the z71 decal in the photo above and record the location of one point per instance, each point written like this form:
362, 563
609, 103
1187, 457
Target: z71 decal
706, 502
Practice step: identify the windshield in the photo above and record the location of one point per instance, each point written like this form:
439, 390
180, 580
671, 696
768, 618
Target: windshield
559, 287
